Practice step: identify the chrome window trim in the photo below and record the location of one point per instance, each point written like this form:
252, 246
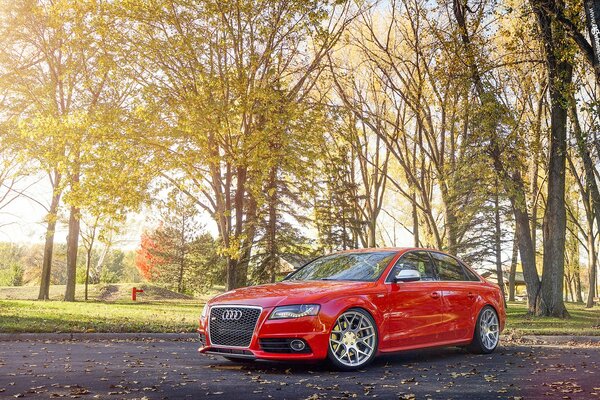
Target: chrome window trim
220, 346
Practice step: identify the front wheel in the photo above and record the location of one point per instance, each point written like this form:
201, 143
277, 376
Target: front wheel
353, 340
487, 332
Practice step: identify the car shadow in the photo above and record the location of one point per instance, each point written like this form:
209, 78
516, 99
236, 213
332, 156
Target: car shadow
383, 361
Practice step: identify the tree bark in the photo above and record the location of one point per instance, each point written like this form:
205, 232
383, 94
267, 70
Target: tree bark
498, 245
513, 269
578, 296
271, 259
88, 262
73, 235
72, 248
44, 293
415, 218
592, 260
554, 227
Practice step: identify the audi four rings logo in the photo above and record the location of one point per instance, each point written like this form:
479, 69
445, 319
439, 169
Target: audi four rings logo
231, 315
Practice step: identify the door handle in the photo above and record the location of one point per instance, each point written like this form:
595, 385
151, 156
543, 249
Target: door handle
470, 295
435, 295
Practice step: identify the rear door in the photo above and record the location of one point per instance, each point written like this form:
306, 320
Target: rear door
414, 308
458, 297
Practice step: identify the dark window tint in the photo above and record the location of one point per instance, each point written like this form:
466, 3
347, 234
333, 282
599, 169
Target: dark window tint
470, 275
345, 267
448, 269
417, 261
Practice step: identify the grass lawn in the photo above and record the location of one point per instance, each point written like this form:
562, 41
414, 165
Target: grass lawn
583, 321
56, 316
110, 309
182, 316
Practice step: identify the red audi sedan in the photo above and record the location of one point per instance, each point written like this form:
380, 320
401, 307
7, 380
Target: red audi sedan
350, 306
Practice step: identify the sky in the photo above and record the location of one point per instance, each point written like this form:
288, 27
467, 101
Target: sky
23, 220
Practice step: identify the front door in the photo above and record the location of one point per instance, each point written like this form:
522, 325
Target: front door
415, 309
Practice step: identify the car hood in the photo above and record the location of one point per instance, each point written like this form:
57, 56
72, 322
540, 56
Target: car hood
291, 292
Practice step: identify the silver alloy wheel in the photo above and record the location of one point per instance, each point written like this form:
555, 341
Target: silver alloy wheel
488, 329
352, 339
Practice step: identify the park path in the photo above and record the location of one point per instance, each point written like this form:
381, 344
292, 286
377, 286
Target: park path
173, 370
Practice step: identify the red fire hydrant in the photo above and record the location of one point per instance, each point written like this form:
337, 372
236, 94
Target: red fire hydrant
134, 292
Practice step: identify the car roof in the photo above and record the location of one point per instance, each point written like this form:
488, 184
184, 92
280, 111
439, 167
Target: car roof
395, 249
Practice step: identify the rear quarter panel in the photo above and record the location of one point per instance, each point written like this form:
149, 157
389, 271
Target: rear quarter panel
490, 294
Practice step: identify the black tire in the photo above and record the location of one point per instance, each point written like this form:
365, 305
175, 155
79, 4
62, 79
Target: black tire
335, 363
477, 345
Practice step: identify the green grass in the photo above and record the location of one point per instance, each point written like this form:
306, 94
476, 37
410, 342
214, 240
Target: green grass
583, 321
102, 292
55, 316
110, 309
182, 316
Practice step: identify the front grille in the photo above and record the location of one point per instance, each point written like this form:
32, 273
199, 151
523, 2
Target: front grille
277, 345
232, 326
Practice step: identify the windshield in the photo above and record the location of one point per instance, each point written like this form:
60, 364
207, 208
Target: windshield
345, 267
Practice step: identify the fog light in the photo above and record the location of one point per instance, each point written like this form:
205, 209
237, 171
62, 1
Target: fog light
297, 345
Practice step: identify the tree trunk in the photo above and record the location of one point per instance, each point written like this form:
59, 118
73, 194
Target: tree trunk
73, 235
88, 262
44, 293
231, 272
554, 227
578, 297
72, 248
527, 253
570, 291
592, 260
87, 275
513, 269
181, 257
415, 218
246, 248
271, 259
498, 245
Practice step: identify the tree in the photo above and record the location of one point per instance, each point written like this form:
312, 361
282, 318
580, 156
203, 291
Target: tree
560, 72
95, 228
494, 118
222, 65
147, 261
64, 97
39, 83
178, 253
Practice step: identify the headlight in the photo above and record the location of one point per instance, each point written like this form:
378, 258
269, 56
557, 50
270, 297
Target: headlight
296, 311
204, 311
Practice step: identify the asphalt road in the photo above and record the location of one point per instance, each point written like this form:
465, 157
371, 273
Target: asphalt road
173, 369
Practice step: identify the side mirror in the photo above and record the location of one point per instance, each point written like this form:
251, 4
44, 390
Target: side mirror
407, 275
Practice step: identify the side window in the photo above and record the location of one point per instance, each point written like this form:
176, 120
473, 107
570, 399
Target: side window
416, 260
448, 269
470, 275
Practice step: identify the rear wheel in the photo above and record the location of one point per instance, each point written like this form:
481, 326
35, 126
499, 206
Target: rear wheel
353, 340
487, 332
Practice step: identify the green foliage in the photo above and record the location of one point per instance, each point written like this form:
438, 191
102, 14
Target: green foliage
178, 254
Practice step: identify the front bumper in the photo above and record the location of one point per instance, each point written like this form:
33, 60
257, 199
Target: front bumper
312, 329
